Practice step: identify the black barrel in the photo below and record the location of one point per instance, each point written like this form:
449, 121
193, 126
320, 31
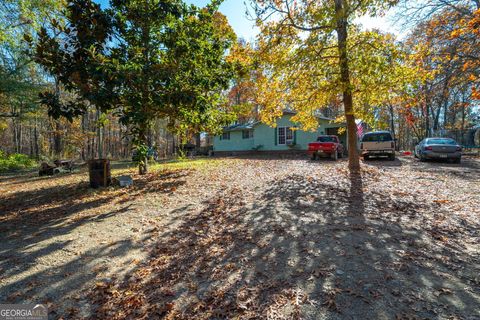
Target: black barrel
99, 170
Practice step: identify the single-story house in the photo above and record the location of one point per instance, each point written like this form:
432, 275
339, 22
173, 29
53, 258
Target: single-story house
257, 136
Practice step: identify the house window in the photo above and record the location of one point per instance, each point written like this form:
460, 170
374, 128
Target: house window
247, 134
285, 135
225, 136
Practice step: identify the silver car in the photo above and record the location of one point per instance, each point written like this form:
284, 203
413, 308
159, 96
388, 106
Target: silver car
439, 148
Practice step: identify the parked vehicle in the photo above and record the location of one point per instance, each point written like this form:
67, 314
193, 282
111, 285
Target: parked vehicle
377, 144
326, 146
438, 148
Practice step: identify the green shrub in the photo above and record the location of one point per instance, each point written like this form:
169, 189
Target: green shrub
15, 161
181, 155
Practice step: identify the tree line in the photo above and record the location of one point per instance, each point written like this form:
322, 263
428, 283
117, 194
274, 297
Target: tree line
145, 65
88, 81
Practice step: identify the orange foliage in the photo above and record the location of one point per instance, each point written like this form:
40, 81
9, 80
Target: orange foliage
469, 29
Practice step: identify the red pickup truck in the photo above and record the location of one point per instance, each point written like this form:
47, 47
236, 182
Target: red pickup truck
326, 146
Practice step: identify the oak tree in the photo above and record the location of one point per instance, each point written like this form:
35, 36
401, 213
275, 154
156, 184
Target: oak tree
321, 31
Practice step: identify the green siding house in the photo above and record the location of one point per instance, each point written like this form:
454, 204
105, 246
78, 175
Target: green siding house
257, 136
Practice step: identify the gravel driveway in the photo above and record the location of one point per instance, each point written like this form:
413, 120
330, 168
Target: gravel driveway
248, 239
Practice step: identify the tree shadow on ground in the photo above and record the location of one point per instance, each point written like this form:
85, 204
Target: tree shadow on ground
305, 248
38, 222
65, 283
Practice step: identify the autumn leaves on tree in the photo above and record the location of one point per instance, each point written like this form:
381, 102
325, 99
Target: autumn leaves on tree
443, 46
312, 53
313, 56
142, 61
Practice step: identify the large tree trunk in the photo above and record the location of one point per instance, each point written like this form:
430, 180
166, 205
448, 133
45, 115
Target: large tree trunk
35, 139
436, 119
30, 138
463, 120
57, 140
143, 161
99, 136
14, 136
342, 36
57, 145
146, 94
392, 125
83, 133
20, 137
427, 113
198, 141
57, 137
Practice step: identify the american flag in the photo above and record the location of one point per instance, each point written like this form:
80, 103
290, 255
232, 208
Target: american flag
360, 129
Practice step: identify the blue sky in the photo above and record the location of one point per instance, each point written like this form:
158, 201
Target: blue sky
235, 10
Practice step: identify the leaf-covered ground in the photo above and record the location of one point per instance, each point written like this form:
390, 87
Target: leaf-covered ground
248, 239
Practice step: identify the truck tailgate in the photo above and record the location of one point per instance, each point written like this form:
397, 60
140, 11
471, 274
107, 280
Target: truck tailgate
377, 145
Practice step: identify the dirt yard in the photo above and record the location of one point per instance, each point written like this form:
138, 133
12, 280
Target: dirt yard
248, 239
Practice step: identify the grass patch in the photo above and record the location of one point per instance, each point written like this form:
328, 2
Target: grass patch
196, 164
129, 167
15, 162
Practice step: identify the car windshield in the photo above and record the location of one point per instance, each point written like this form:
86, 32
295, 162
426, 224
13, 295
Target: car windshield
441, 141
370, 137
326, 139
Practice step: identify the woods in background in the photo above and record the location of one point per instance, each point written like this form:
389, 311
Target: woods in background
444, 44
25, 124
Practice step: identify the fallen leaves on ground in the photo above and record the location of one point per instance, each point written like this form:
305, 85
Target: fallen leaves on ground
272, 238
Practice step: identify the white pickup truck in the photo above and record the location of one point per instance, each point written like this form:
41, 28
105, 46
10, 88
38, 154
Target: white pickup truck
378, 144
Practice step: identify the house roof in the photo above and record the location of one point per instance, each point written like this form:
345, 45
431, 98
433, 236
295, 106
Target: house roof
251, 124
318, 116
241, 126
